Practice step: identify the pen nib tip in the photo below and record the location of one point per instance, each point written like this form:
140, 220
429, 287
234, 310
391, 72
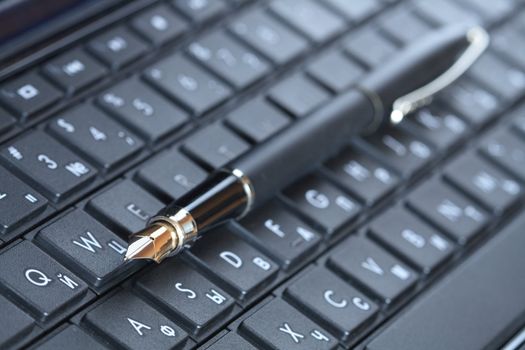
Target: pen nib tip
155, 242
141, 248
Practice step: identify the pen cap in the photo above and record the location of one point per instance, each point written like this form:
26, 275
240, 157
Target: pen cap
414, 66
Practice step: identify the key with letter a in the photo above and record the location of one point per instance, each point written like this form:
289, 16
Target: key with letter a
126, 321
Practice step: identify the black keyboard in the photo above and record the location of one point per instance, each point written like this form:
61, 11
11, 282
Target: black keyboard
360, 253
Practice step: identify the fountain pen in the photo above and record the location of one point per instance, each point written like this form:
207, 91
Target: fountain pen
404, 83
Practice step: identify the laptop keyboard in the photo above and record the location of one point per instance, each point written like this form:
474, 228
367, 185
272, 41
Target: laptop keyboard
191, 85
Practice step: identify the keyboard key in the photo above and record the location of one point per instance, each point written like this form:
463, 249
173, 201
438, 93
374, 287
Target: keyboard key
280, 234
28, 94
323, 203
193, 300
126, 321
257, 120
411, 238
159, 25
269, 37
74, 70
16, 324
202, 10
124, 207
36, 280
337, 305
215, 145
49, 166
117, 47
444, 12
239, 268
19, 203
506, 150
188, 84
369, 47
403, 25
436, 126
402, 152
519, 22
480, 180
233, 62
6, 121
277, 325
473, 103
231, 341
70, 337
504, 80
86, 247
95, 135
335, 71
518, 124
493, 12
171, 175
510, 44
355, 11
298, 95
494, 274
143, 110
301, 15
448, 210
361, 260
362, 176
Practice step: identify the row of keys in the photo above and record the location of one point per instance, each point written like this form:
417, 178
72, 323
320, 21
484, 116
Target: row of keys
119, 46
75, 70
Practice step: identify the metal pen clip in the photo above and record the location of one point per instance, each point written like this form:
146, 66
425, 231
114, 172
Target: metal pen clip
479, 41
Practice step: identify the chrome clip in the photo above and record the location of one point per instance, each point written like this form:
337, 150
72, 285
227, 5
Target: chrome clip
479, 40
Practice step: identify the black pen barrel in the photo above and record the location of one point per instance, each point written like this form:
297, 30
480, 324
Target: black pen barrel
298, 149
220, 197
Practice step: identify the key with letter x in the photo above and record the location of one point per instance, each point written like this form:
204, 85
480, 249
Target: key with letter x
280, 326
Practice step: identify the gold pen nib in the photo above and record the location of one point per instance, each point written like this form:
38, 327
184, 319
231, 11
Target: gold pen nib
153, 243
142, 248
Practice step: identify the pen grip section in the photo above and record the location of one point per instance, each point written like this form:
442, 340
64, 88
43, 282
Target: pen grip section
219, 198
